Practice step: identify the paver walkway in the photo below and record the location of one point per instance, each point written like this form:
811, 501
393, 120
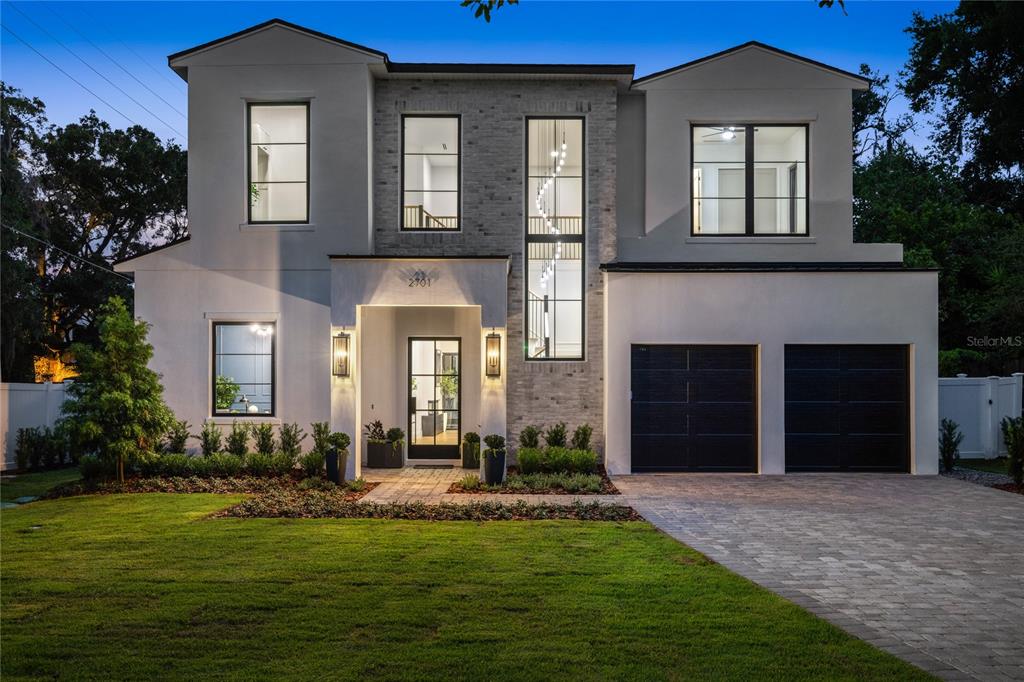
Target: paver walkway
928, 568
430, 486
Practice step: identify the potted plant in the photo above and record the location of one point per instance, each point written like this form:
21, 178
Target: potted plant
494, 459
337, 457
471, 451
377, 446
396, 440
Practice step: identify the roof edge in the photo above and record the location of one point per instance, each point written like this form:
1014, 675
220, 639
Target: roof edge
509, 68
751, 43
423, 256
684, 267
161, 247
267, 24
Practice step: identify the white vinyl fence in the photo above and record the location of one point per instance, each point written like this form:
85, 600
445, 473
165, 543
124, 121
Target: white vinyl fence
23, 406
978, 405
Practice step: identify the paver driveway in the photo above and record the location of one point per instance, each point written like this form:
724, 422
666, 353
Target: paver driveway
928, 568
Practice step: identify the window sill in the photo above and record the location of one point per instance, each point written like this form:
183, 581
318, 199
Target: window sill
227, 419
766, 239
277, 227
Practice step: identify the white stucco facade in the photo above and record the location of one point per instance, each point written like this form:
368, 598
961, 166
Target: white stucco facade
350, 269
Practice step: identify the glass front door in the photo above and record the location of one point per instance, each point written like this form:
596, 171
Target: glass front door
435, 394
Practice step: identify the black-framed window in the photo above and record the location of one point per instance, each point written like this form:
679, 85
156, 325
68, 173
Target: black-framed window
431, 172
749, 179
243, 377
278, 162
555, 238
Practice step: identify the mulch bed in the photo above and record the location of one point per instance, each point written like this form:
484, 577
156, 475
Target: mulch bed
332, 505
1010, 488
195, 484
607, 488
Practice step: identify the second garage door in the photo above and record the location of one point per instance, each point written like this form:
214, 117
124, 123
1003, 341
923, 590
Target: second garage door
847, 408
693, 408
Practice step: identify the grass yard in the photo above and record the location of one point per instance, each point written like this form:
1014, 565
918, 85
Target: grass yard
144, 586
35, 484
995, 466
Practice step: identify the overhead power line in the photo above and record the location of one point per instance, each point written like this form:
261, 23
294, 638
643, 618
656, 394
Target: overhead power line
93, 69
177, 84
116, 63
68, 253
80, 84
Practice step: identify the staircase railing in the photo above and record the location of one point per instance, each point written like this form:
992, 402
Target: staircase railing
418, 217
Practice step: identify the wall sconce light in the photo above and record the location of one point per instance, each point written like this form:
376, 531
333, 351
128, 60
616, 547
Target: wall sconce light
493, 355
340, 355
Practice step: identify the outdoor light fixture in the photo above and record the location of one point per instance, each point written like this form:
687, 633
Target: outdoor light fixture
340, 355
494, 355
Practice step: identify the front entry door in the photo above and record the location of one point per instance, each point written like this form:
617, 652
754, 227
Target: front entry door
435, 398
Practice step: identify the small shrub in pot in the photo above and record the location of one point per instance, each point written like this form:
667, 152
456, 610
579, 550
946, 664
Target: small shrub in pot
396, 439
471, 450
494, 459
377, 447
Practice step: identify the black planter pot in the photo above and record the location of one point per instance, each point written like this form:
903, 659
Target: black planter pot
383, 456
332, 466
471, 455
494, 466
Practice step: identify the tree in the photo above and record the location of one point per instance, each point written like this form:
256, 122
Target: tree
115, 407
89, 190
967, 68
482, 8
873, 127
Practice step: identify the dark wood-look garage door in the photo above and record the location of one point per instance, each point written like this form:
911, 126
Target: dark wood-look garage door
847, 408
693, 408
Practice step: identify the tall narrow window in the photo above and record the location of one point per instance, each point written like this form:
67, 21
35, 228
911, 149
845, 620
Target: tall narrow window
430, 172
243, 368
279, 163
749, 179
555, 238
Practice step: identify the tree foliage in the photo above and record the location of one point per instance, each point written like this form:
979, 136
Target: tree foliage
483, 8
91, 191
115, 407
967, 69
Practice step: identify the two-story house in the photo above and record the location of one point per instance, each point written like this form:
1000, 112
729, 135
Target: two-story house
478, 247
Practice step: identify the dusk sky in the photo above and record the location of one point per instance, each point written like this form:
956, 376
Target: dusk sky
128, 42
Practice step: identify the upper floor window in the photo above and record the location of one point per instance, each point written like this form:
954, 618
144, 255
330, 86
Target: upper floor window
279, 163
243, 368
555, 238
749, 179
430, 172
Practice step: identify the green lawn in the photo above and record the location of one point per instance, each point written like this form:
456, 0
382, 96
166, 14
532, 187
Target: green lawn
144, 586
35, 484
995, 466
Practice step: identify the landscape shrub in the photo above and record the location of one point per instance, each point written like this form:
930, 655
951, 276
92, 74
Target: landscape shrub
949, 444
40, 448
174, 464
281, 464
313, 463
1013, 436
531, 460
210, 439
292, 436
258, 464
263, 438
237, 442
557, 459
581, 437
321, 436
529, 437
357, 485
94, 468
556, 435
222, 464
316, 483
177, 436
582, 461
471, 482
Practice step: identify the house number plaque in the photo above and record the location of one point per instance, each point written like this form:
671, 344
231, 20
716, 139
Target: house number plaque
420, 278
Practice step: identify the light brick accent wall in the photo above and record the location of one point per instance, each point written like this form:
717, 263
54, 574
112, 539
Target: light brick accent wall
493, 202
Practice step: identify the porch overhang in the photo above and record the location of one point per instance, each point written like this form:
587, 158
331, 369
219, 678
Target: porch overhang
419, 281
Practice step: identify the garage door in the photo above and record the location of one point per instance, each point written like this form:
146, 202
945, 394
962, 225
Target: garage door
847, 408
693, 408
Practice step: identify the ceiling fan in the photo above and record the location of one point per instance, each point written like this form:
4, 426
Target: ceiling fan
725, 132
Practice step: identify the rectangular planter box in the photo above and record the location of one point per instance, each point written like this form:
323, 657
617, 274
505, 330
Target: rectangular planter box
383, 456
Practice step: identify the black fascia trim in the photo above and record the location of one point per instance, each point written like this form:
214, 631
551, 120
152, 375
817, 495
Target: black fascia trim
751, 43
422, 256
501, 68
173, 242
760, 267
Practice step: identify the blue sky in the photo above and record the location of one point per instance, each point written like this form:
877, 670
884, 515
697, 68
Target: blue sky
138, 36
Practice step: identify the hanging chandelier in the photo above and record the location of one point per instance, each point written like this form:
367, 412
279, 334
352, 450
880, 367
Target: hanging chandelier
557, 157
